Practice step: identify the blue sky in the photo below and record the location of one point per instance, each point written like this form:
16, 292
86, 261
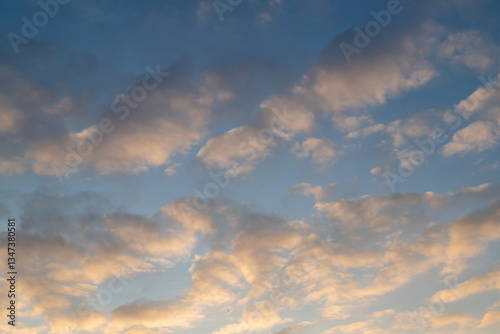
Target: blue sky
277, 166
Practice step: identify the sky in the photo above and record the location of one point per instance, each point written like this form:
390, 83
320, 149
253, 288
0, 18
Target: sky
244, 166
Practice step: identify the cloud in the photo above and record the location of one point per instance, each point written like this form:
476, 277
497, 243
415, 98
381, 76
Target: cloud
479, 284
171, 170
238, 150
106, 248
169, 121
211, 275
342, 92
142, 330
12, 166
367, 131
253, 249
242, 265
295, 328
453, 319
378, 73
354, 89
286, 116
400, 259
355, 327
318, 192
257, 263
255, 318
265, 17
484, 133
380, 314
468, 48
322, 152
474, 138
416, 126
468, 236
10, 118
489, 319
378, 213
176, 314
140, 135
483, 98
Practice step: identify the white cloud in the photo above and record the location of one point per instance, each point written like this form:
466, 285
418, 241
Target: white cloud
490, 318
237, 150
474, 138
322, 152
376, 171
10, 118
171, 170
295, 328
250, 258
468, 48
489, 281
446, 320
318, 192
